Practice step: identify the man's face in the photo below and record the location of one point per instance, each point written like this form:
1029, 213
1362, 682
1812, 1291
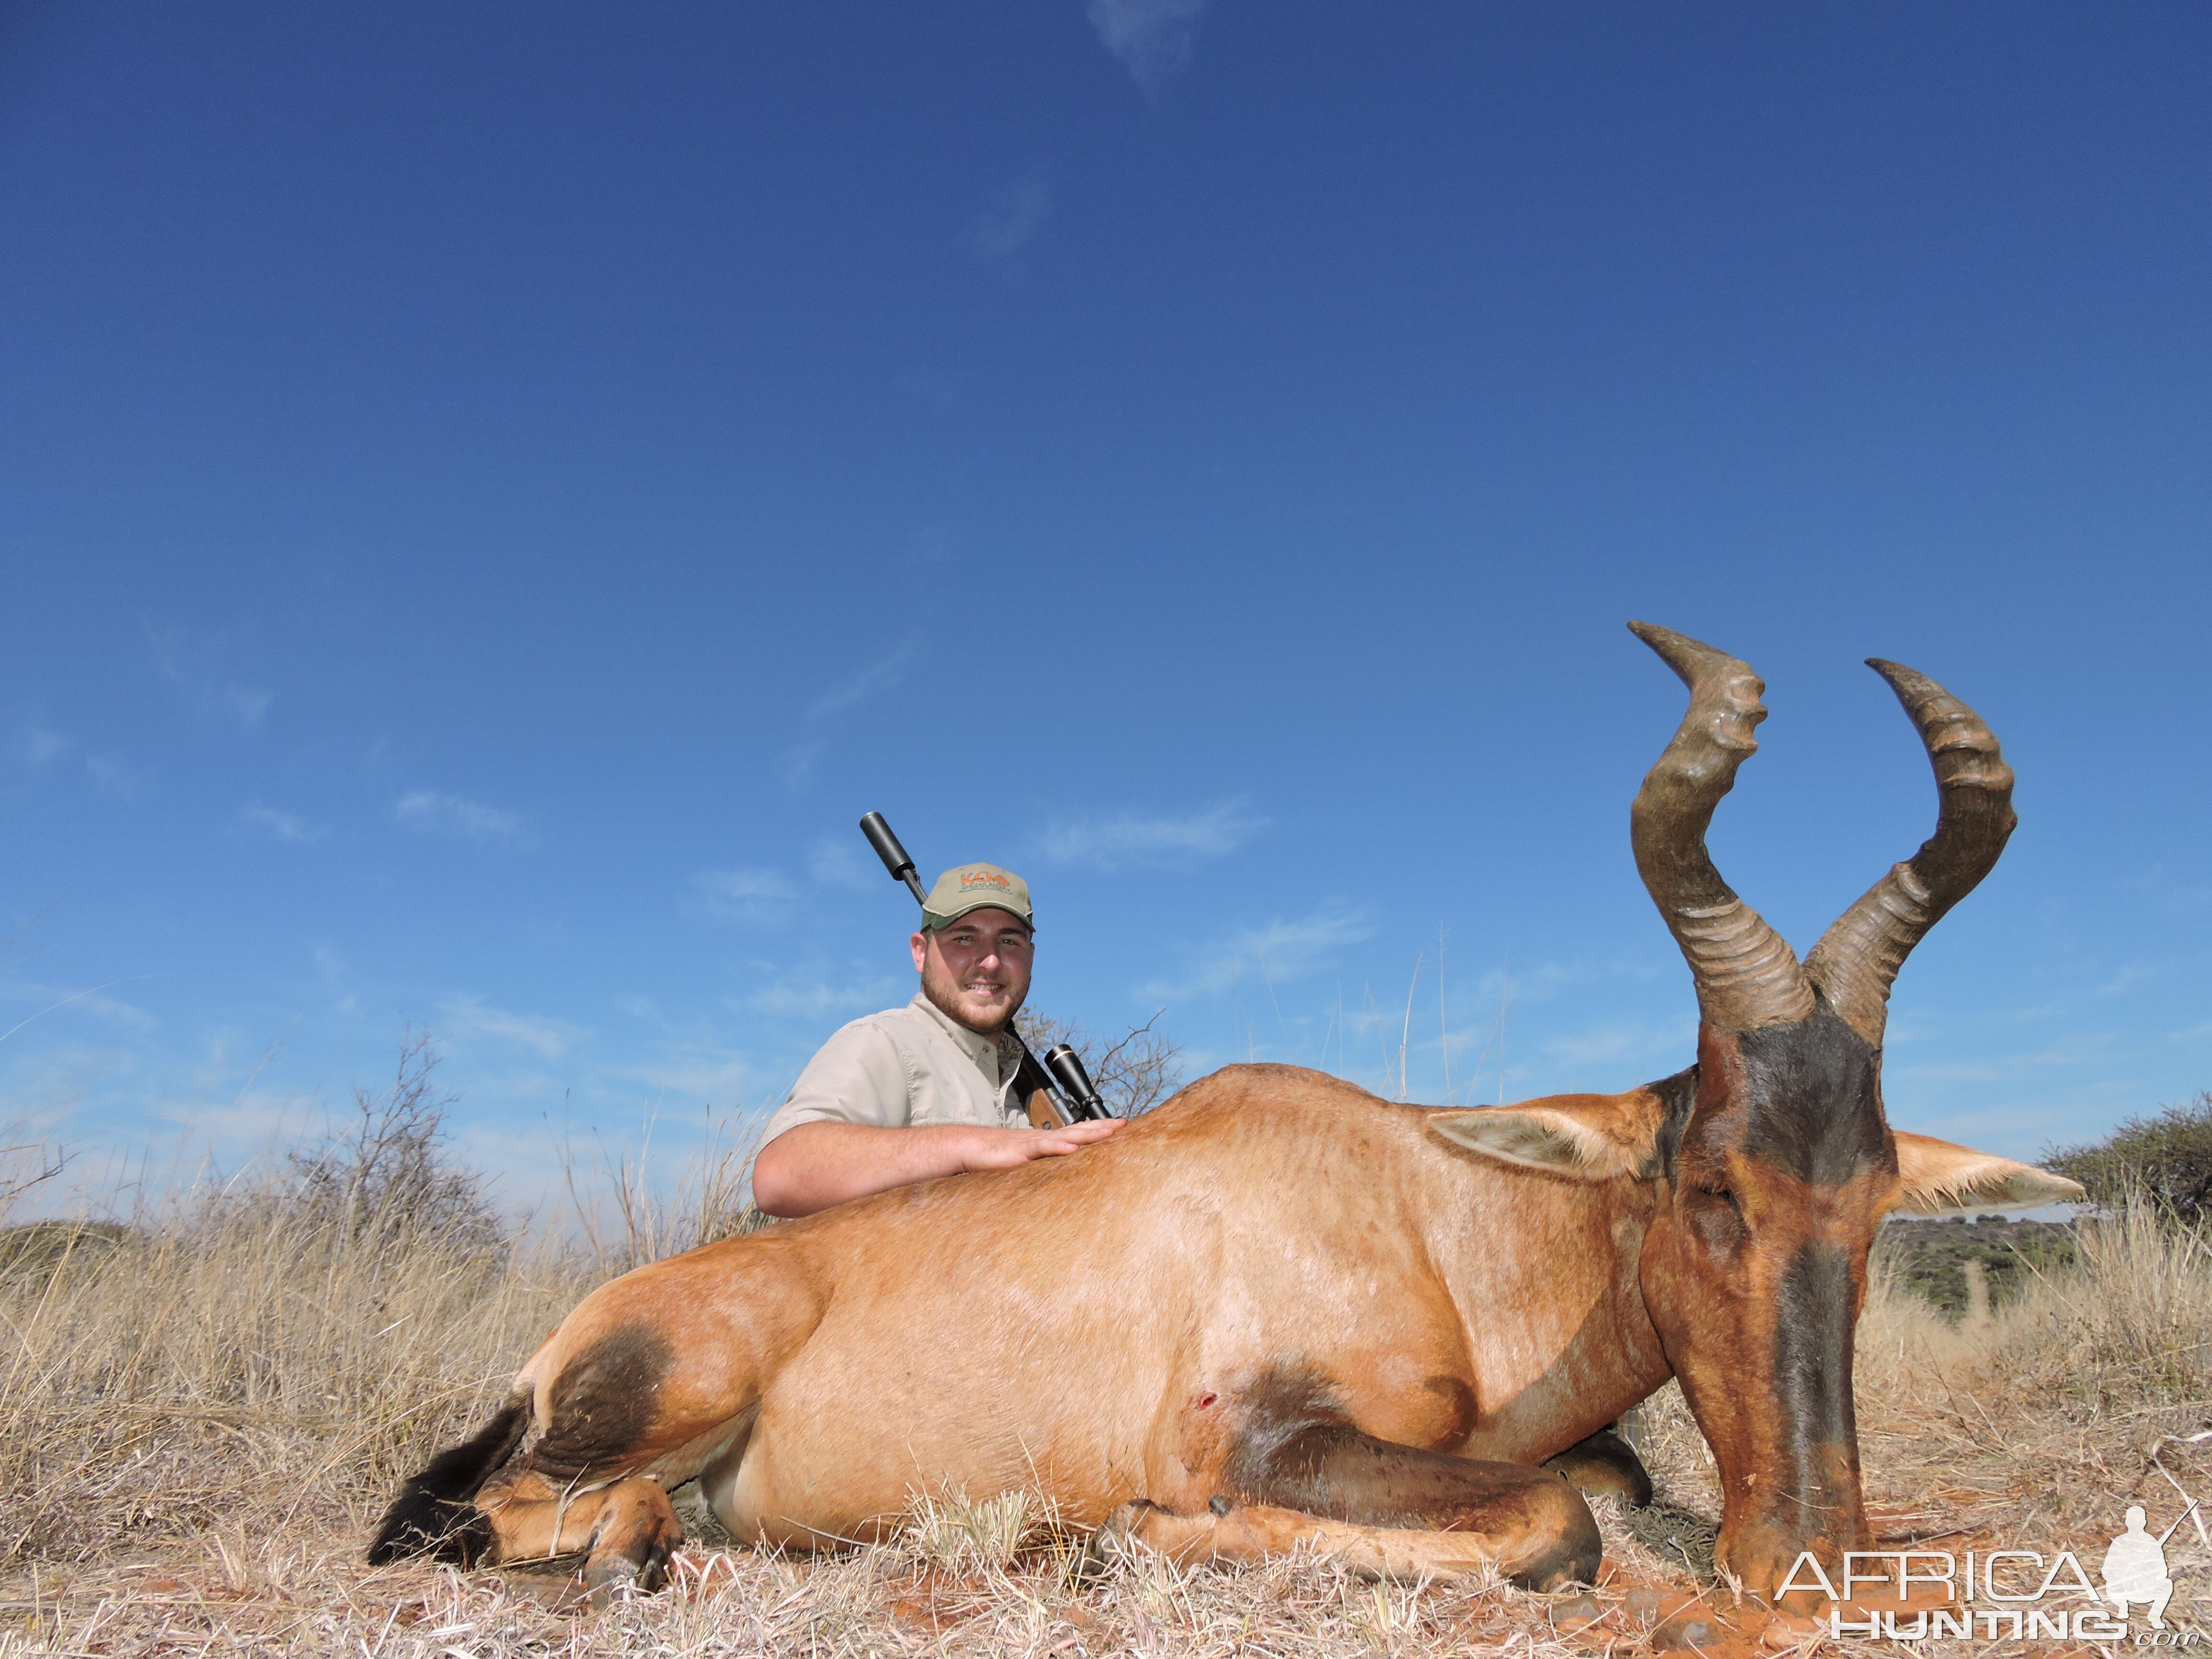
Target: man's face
977, 970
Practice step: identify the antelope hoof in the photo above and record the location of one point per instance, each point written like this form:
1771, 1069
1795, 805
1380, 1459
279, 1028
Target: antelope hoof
1564, 1547
618, 1579
1116, 1541
604, 1587
1604, 1463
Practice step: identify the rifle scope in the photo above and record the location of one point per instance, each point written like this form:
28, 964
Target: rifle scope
1067, 1068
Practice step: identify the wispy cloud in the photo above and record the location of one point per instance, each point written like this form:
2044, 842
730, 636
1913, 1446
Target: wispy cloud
1281, 950
41, 1000
116, 777
432, 813
191, 662
2126, 978
838, 861
1622, 1040
35, 745
688, 1057
2071, 1049
863, 685
1152, 38
858, 687
467, 1016
817, 998
336, 975
285, 826
250, 1122
1016, 213
1132, 838
701, 1069
744, 897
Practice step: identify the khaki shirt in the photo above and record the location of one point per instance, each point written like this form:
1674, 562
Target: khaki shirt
907, 1066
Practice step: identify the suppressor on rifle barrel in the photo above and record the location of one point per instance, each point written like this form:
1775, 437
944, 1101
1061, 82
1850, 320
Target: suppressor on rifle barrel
895, 857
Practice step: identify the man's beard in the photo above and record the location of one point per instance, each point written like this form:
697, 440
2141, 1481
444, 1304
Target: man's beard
944, 994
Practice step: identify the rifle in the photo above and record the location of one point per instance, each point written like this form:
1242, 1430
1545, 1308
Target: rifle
1055, 1092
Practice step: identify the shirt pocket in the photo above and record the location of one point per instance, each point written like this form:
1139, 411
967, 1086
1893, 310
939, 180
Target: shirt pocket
936, 1101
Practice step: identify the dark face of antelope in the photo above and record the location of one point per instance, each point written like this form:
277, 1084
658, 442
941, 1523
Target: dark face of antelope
1754, 1270
1776, 1162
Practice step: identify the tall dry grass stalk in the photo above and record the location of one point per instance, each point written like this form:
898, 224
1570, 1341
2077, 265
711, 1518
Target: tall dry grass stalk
628, 1215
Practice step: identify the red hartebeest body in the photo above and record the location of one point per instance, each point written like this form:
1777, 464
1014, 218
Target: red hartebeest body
1280, 1309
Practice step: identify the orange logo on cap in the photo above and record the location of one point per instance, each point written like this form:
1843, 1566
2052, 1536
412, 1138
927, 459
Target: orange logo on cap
984, 879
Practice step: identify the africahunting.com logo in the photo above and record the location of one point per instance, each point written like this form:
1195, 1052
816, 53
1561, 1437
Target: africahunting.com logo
2014, 1595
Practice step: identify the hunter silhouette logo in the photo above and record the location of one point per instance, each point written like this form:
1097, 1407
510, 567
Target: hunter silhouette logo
2135, 1566
2032, 1598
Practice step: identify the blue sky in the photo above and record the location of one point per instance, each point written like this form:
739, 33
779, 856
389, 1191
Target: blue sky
491, 494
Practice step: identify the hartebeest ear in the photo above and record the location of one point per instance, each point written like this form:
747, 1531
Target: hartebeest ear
1590, 1137
1937, 1175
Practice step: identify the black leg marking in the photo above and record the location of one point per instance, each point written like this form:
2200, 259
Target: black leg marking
603, 1403
432, 1514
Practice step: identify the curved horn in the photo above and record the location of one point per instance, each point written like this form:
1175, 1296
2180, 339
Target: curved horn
1746, 975
1857, 960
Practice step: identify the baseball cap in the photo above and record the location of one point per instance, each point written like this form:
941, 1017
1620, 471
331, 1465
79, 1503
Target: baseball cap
967, 887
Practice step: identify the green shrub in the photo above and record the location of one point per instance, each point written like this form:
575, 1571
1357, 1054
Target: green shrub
2167, 1159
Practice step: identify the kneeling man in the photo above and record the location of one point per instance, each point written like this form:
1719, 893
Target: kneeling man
927, 1089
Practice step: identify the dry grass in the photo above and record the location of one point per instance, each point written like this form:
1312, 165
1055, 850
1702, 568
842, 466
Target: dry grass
2045, 1420
201, 1417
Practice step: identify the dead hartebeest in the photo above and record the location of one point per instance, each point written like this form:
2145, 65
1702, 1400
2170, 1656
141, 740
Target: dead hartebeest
1280, 1311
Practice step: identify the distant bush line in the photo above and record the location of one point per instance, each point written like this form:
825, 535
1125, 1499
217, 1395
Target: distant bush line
1937, 1259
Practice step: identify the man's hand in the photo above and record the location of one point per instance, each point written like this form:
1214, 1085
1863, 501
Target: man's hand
815, 1165
1001, 1149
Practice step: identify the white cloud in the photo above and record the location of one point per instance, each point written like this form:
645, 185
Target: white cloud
465, 1016
863, 685
1129, 839
113, 776
744, 897
1282, 950
839, 861
871, 681
799, 764
332, 969
191, 662
44, 999
1016, 214
285, 826
703, 1072
252, 1125
1152, 38
1618, 1041
814, 999
37, 746
432, 813
2126, 979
